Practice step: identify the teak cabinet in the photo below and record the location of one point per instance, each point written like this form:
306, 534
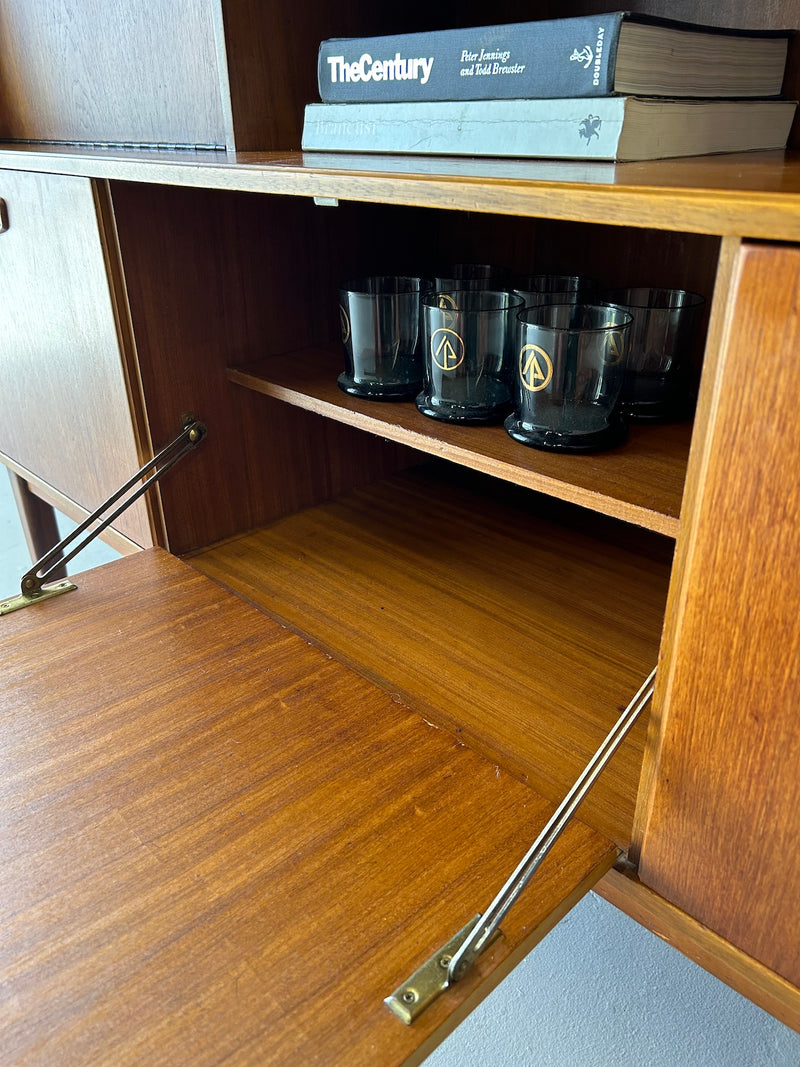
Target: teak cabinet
252, 789
66, 423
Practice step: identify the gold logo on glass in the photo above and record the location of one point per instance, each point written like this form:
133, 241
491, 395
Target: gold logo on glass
447, 305
535, 368
615, 346
344, 322
447, 349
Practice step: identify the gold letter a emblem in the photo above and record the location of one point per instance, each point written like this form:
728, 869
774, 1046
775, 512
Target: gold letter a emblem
535, 368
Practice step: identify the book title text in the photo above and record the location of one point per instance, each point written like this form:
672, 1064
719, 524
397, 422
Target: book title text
366, 69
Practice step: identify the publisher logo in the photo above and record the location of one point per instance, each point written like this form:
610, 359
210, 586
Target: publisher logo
591, 57
590, 127
583, 55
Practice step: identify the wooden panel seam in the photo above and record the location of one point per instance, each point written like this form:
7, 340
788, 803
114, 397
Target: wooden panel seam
109, 242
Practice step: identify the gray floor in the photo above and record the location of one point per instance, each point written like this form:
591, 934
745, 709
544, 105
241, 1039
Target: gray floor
600, 991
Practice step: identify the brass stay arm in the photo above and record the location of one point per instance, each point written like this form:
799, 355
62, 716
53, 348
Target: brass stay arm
454, 960
34, 585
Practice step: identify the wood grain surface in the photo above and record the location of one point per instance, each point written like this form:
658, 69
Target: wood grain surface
752, 194
640, 482
65, 414
525, 637
185, 810
212, 280
723, 838
128, 73
218, 843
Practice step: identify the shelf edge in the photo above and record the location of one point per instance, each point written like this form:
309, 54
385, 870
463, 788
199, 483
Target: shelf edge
614, 508
766, 214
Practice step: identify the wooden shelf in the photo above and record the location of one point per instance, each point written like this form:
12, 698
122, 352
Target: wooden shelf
524, 635
640, 482
752, 194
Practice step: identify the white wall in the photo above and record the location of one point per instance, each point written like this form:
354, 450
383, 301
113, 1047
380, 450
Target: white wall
601, 991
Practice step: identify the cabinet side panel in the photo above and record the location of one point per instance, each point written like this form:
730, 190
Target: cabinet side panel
127, 71
215, 280
723, 837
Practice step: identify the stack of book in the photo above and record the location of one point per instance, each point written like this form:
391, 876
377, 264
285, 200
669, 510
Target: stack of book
615, 87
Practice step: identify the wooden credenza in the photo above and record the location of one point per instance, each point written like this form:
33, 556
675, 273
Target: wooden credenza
477, 614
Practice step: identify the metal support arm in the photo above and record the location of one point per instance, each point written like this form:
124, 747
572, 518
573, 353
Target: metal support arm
452, 962
34, 587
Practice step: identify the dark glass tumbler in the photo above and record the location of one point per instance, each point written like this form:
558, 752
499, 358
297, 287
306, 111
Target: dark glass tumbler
658, 375
472, 276
380, 319
569, 377
537, 289
468, 350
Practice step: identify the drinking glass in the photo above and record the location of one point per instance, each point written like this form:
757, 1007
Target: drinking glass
570, 366
468, 352
658, 374
380, 320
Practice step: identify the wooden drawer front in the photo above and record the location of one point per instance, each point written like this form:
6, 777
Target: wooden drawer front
219, 843
64, 409
723, 839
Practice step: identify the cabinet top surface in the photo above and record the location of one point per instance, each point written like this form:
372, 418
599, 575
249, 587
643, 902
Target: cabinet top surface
754, 194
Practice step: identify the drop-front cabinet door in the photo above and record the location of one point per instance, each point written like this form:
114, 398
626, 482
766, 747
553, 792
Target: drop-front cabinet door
723, 837
65, 404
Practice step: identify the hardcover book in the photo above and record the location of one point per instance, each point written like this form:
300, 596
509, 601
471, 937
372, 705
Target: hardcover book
613, 128
594, 55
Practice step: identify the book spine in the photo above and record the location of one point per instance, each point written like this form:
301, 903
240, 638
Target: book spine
570, 57
556, 129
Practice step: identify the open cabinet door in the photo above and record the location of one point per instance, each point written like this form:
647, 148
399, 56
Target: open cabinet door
219, 842
723, 837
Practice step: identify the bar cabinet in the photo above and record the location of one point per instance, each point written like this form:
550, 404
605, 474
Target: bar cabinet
260, 770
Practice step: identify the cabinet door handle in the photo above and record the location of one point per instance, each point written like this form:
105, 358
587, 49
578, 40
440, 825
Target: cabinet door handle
3, 216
